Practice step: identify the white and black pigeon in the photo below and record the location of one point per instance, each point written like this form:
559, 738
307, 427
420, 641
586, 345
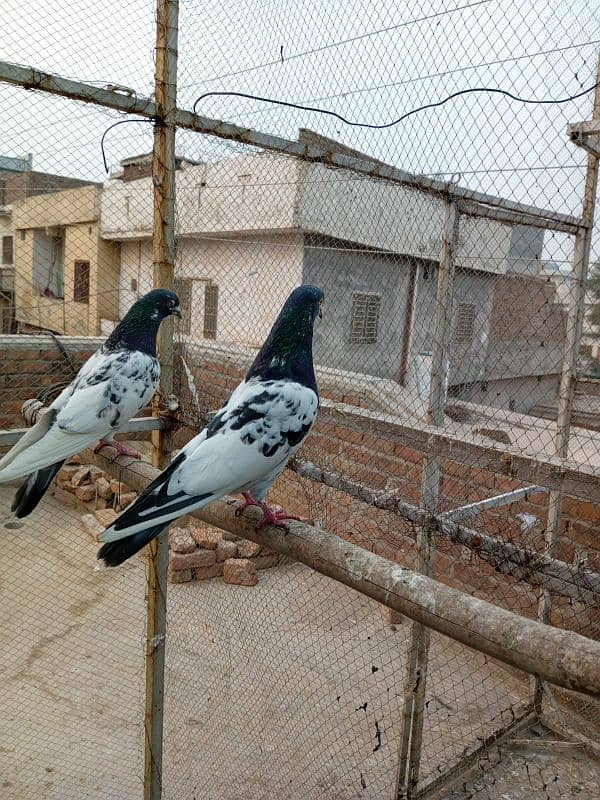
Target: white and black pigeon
246, 445
110, 388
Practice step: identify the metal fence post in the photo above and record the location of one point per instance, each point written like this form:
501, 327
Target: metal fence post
416, 676
163, 177
568, 380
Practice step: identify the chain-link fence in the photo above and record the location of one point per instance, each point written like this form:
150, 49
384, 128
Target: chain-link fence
416, 165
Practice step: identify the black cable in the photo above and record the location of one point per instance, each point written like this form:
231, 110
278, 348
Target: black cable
349, 122
404, 116
114, 125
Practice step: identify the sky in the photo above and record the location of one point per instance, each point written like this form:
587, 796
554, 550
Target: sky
370, 62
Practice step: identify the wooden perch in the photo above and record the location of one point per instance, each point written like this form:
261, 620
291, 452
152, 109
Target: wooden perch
521, 563
562, 657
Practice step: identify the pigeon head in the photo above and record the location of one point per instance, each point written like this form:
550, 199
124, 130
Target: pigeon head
287, 351
138, 328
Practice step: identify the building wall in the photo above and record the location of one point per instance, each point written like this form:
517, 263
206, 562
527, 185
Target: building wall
389, 216
250, 193
341, 269
18, 186
254, 278
72, 214
516, 394
467, 361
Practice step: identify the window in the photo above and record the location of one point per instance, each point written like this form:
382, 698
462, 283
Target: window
211, 307
48, 262
465, 323
2, 193
7, 250
81, 282
364, 321
134, 284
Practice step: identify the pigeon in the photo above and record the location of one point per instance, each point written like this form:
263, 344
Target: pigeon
111, 387
245, 447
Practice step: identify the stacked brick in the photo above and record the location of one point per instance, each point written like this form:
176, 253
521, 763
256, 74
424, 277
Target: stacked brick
88, 487
199, 552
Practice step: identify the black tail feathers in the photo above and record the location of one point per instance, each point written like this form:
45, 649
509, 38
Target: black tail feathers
115, 553
32, 490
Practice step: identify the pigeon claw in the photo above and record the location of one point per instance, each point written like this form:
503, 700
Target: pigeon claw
121, 448
270, 516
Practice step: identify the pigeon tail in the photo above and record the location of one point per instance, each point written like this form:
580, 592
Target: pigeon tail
115, 553
32, 490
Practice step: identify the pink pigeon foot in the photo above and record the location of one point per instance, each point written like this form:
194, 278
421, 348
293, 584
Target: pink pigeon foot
121, 448
270, 517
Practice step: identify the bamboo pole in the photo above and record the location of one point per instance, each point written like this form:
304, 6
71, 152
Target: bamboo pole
163, 179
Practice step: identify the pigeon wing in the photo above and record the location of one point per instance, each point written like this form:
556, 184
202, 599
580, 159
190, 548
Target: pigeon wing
109, 390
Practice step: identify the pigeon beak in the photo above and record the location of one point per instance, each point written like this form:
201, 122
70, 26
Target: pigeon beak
176, 311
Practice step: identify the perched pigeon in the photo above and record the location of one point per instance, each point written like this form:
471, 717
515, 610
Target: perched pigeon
111, 387
246, 445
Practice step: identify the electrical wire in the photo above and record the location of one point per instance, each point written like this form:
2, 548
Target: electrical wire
384, 125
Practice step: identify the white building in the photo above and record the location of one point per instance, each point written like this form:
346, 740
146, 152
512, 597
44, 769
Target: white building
251, 228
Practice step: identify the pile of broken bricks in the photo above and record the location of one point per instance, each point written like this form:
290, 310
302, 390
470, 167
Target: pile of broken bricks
199, 552
88, 487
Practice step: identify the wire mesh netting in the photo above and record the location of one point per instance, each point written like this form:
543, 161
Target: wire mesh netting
450, 249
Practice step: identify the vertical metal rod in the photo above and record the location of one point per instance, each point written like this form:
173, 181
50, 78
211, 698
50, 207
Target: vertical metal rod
568, 380
416, 676
163, 176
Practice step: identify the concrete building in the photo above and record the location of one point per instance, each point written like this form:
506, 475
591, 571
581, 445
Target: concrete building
18, 181
66, 275
253, 227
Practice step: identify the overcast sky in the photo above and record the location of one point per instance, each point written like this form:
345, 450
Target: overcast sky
369, 61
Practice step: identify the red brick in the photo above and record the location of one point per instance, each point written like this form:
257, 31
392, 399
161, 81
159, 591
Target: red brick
247, 548
199, 558
206, 573
226, 549
582, 534
180, 541
205, 535
240, 571
179, 576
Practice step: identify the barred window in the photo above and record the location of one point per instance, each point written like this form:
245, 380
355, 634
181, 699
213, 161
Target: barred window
364, 321
211, 308
465, 323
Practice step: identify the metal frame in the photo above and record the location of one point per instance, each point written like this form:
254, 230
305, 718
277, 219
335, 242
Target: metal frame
416, 676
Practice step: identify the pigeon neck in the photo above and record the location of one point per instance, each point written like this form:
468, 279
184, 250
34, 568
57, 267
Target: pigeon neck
287, 353
133, 333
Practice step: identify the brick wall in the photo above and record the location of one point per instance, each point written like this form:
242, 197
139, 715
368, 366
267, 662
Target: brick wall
525, 308
31, 364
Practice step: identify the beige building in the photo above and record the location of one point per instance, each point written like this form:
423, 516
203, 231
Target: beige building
66, 276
